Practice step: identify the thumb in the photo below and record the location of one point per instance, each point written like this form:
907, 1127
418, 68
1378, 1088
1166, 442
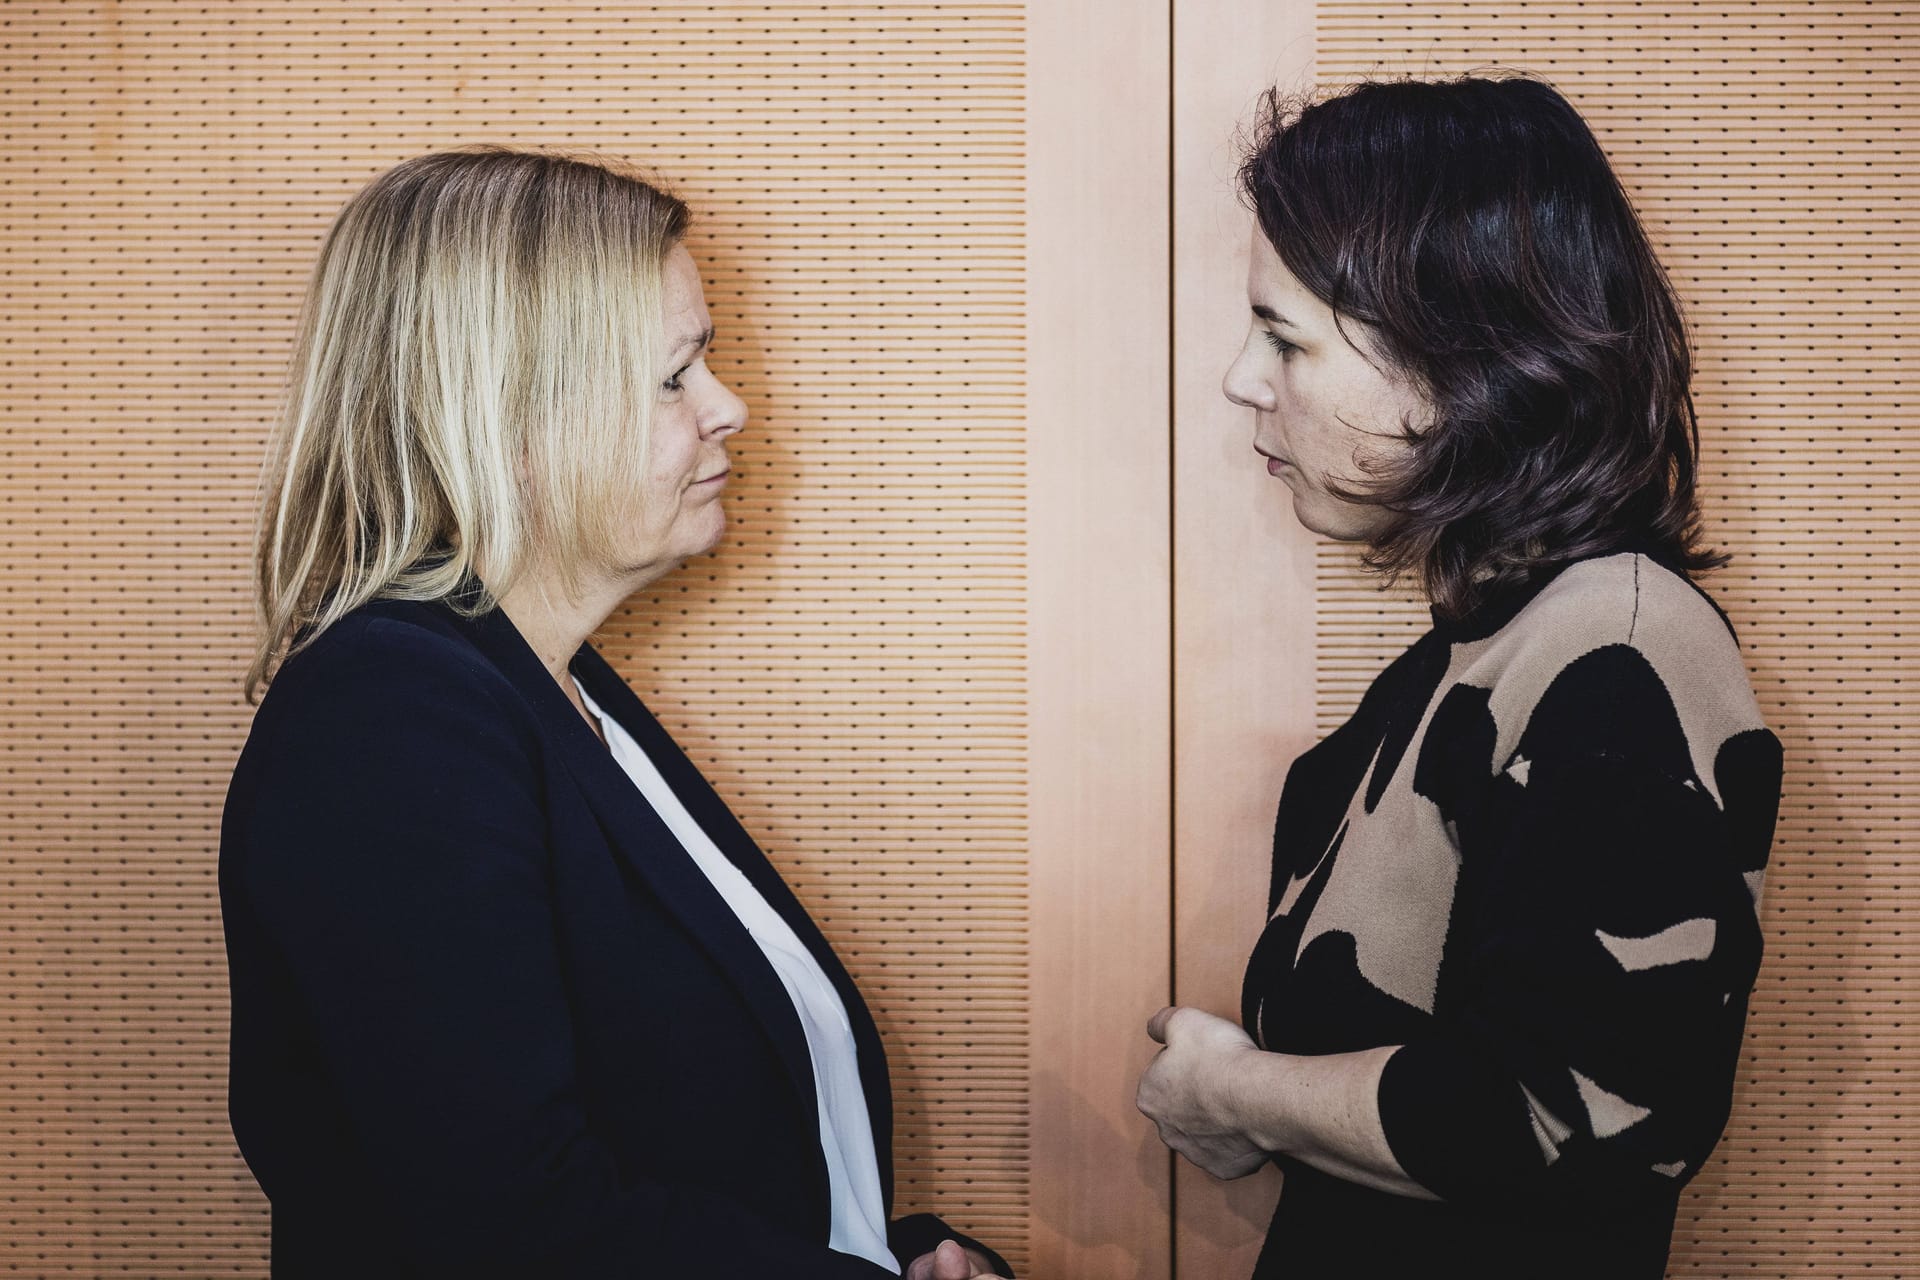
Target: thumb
1157, 1025
950, 1262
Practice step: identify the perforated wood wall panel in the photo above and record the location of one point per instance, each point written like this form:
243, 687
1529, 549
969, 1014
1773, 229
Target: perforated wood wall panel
1762, 144
849, 669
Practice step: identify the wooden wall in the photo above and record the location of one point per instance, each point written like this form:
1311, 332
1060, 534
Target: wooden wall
1010, 646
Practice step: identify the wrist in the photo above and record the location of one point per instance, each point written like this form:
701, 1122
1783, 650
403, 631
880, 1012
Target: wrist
1231, 1094
1259, 1090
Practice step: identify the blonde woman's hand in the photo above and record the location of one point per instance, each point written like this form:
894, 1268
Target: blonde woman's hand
1186, 1091
948, 1262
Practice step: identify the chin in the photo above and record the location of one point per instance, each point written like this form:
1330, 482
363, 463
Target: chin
711, 543
1344, 524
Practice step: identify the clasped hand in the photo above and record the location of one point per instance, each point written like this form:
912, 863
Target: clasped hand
1187, 1091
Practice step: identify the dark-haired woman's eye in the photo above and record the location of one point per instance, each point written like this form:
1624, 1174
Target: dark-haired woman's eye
1279, 343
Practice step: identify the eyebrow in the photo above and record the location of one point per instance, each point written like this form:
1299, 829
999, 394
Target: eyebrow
697, 340
1271, 316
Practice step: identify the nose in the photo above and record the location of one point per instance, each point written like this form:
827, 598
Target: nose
726, 415
1243, 385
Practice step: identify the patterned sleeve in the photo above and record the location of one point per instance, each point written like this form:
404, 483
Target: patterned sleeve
1604, 940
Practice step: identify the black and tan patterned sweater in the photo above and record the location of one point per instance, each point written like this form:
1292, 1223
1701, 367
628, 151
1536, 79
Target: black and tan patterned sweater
1533, 857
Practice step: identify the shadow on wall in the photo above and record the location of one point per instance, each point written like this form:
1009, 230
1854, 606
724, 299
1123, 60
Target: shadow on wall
1136, 1148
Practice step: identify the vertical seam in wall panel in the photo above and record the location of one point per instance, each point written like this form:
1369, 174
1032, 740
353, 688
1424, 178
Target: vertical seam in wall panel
1173, 619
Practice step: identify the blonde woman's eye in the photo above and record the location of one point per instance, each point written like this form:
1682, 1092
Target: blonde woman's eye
673, 383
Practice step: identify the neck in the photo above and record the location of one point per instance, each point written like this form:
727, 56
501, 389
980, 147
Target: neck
555, 624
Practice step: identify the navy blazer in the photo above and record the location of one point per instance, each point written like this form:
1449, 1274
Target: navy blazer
489, 1018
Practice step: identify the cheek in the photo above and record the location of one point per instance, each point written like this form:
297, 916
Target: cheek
1308, 389
1360, 423
1316, 425
671, 451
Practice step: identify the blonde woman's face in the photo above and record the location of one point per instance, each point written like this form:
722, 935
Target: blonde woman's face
1322, 410
680, 514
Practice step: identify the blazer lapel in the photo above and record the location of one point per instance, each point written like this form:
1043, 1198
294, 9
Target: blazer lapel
636, 831
615, 696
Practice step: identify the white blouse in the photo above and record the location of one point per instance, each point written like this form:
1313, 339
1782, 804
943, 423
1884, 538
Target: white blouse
846, 1135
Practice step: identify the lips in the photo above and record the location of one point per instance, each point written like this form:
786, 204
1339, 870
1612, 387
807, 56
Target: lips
716, 477
1275, 463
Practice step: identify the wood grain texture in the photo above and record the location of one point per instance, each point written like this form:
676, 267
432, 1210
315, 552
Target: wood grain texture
1101, 586
1243, 576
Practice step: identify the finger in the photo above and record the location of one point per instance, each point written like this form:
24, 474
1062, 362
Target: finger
1146, 1088
950, 1262
1157, 1024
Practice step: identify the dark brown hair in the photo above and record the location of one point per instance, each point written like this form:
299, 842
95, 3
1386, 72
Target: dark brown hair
1476, 226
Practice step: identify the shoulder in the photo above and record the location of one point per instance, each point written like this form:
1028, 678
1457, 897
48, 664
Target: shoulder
377, 741
1619, 656
390, 676
1629, 612
388, 757
382, 649
1629, 599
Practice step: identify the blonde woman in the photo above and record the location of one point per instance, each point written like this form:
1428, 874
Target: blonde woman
513, 993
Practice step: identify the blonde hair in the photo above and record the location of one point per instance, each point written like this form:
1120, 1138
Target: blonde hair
471, 387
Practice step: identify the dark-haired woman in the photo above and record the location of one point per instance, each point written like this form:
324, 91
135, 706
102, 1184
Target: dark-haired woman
1492, 1023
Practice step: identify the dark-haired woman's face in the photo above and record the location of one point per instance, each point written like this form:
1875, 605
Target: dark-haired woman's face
1322, 409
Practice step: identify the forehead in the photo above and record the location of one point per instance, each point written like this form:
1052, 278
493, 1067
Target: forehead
684, 301
1269, 281
1272, 285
